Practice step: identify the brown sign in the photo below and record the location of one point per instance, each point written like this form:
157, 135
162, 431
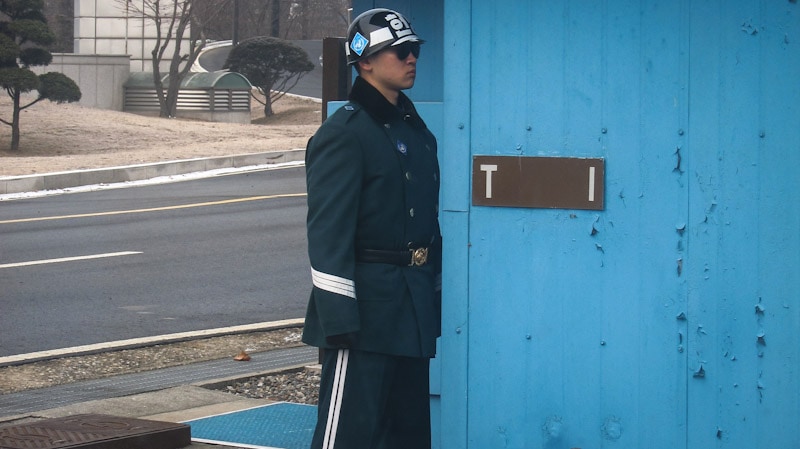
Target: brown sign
538, 182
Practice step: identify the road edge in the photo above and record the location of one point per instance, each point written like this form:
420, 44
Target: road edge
111, 175
19, 359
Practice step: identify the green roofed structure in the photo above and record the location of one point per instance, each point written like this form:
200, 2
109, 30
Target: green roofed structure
210, 96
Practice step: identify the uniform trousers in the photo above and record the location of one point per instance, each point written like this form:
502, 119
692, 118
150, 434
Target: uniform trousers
373, 401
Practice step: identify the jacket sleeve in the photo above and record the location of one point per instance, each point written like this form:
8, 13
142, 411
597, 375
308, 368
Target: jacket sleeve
334, 179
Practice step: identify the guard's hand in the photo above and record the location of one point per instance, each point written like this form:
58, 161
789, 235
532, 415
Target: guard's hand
342, 341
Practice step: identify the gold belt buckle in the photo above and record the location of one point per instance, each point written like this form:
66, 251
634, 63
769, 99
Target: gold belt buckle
419, 257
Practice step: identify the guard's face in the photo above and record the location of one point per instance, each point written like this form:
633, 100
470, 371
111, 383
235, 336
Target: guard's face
386, 69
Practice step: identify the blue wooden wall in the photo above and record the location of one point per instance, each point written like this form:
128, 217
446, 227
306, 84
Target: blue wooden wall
671, 318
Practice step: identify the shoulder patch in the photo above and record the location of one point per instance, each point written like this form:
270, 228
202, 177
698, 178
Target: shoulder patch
349, 111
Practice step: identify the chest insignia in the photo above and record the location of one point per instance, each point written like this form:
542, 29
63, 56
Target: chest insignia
402, 148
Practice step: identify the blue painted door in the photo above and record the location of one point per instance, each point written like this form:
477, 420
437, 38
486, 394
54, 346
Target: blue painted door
670, 319
744, 218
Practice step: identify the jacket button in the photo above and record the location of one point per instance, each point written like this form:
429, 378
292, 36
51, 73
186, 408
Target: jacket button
408, 175
387, 126
411, 212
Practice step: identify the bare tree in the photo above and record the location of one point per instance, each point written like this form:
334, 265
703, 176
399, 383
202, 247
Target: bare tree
275, 29
180, 30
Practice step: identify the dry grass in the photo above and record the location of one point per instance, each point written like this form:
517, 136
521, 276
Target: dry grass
72, 137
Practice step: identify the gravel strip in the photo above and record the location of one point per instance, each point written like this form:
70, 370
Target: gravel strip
66, 370
301, 387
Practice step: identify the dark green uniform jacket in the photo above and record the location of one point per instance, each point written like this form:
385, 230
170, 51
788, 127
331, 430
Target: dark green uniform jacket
373, 183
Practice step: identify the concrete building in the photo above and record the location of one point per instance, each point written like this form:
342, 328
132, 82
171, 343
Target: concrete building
109, 27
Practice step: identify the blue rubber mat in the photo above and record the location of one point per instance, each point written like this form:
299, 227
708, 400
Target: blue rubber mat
282, 425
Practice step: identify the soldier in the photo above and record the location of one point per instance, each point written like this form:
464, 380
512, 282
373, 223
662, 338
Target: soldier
375, 249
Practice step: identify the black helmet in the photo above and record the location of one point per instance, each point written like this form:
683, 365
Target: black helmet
374, 30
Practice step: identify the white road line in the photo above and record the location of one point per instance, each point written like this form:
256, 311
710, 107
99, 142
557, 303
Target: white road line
68, 259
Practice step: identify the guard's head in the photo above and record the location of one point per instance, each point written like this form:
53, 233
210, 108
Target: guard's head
376, 30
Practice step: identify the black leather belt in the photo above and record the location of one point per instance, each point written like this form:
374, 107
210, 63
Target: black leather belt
410, 257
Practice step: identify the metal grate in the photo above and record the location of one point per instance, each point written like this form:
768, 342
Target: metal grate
217, 100
95, 432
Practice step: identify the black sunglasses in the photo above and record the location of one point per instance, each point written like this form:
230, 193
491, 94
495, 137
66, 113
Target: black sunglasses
406, 48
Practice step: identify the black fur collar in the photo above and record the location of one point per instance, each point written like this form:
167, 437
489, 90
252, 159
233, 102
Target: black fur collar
378, 106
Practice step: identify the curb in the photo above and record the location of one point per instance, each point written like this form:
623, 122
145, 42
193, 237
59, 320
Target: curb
134, 343
141, 172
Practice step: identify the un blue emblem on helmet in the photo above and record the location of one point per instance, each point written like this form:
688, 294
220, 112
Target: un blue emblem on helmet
359, 43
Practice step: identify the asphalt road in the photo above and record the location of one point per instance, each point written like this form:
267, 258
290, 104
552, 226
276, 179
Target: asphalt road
110, 265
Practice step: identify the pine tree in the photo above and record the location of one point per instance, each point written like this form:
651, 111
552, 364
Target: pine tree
24, 37
272, 65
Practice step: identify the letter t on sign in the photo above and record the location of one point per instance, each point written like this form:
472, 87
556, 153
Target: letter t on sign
488, 169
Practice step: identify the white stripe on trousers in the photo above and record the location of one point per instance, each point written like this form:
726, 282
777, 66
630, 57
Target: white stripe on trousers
336, 399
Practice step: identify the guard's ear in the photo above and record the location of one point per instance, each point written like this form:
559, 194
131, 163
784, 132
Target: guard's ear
364, 64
